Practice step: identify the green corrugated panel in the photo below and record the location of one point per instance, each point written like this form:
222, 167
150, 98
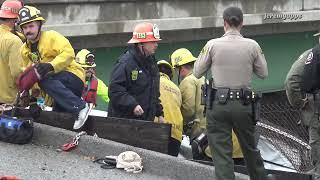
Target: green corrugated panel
281, 50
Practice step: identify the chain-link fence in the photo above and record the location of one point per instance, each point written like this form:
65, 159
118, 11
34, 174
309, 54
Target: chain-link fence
280, 125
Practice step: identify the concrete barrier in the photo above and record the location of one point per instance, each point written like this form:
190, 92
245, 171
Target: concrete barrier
106, 23
154, 163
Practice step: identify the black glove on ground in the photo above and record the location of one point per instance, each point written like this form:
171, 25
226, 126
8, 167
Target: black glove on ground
43, 69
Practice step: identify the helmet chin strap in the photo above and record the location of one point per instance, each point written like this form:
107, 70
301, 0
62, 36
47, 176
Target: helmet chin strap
89, 77
179, 74
38, 34
143, 51
39, 31
14, 28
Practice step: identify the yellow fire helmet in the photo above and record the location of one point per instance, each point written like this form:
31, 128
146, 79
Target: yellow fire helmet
164, 62
85, 58
29, 14
181, 57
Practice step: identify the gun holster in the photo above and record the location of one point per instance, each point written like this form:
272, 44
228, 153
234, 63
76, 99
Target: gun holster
256, 107
210, 94
204, 94
256, 112
247, 97
207, 96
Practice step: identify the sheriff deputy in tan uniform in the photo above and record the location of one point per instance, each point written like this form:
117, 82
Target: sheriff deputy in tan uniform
232, 59
191, 108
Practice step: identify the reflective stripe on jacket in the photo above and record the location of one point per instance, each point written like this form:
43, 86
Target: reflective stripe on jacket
103, 91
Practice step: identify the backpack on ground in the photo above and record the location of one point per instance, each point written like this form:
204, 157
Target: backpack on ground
14, 130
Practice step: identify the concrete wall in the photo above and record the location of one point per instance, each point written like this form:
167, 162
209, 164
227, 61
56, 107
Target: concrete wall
154, 164
108, 23
104, 26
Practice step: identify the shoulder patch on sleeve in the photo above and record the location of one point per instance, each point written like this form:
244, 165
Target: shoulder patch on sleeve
258, 47
260, 50
309, 58
204, 50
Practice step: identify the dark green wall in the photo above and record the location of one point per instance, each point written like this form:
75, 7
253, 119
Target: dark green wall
280, 50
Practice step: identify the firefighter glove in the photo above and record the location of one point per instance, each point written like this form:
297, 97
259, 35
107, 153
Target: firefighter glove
43, 69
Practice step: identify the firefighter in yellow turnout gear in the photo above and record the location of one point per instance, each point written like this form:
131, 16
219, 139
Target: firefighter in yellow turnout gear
192, 110
170, 97
10, 60
53, 58
86, 60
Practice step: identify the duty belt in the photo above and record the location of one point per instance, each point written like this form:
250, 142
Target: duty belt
234, 94
246, 96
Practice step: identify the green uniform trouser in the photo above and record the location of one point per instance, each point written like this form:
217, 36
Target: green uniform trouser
314, 140
220, 121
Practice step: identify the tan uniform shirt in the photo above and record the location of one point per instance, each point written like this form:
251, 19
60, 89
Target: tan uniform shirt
232, 59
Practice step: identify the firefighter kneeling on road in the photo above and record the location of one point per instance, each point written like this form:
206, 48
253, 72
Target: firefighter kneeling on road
51, 56
170, 97
93, 87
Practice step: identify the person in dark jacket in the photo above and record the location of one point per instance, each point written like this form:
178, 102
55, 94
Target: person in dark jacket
134, 84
